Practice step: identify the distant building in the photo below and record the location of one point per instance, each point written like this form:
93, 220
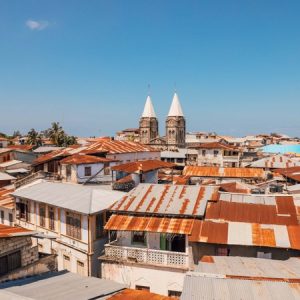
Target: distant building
129, 134
175, 126
218, 154
148, 123
3, 142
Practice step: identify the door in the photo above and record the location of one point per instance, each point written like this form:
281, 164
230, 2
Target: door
80, 268
67, 263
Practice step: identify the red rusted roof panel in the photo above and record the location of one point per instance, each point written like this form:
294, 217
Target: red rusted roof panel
8, 231
149, 224
142, 166
199, 171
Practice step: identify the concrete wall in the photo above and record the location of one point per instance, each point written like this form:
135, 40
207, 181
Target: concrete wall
5, 220
78, 171
159, 280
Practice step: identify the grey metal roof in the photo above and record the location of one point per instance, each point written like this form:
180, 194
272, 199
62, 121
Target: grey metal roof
76, 197
251, 267
20, 170
4, 176
44, 149
61, 285
208, 288
10, 163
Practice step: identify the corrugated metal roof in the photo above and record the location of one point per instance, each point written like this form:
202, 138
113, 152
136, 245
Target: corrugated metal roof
9, 163
199, 171
142, 166
9, 231
83, 199
250, 267
275, 162
114, 147
129, 294
208, 288
78, 159
167, 199
6, 200
236, 187
282, 213
4, 176
150, 224
292, 173
62, 285
246, 234
58, 154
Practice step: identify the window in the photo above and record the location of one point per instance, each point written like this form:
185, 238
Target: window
22, 211
223, 251
42, 214
100, 222
51, 217
68, 170
73, 225
138, 237
203, 152
87, 171
67, 263
142, 288
10, 262
216, 152
107, 171
80, 268
174, 294
2, 217
10, 218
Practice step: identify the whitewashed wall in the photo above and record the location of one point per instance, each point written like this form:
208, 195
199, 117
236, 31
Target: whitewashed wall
159, 280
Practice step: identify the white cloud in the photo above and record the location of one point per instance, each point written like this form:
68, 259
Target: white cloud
37, 25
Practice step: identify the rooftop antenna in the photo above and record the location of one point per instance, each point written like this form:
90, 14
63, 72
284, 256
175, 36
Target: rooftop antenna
175, 87
149, 89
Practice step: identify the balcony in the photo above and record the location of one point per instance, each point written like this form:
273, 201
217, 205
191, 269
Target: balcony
147, 256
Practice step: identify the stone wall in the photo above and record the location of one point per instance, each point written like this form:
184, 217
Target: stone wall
43, 265
29, 254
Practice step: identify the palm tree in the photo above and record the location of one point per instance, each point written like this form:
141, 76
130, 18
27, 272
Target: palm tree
56, 134
33, 138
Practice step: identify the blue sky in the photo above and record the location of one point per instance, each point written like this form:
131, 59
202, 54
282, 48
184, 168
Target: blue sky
87, 64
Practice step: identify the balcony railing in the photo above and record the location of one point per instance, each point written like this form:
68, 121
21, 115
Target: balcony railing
147, 256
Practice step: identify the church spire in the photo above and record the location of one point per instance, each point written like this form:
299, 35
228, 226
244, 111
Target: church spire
148, 109
175, 109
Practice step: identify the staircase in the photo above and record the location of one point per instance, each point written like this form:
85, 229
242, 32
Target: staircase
34, 176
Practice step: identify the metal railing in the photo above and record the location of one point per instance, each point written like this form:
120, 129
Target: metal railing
34, 176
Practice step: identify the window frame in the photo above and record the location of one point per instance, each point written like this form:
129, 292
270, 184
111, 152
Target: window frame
42, 218
72, 228
87, 171
51, 221
137, 242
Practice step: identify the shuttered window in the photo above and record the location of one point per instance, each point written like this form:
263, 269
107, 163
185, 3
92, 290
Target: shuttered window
51, 217
42, 210
73, 225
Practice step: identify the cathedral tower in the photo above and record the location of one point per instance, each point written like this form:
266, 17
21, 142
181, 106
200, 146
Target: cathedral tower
175, 125
148, 123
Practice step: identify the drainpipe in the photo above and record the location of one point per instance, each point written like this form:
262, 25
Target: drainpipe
89, 248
